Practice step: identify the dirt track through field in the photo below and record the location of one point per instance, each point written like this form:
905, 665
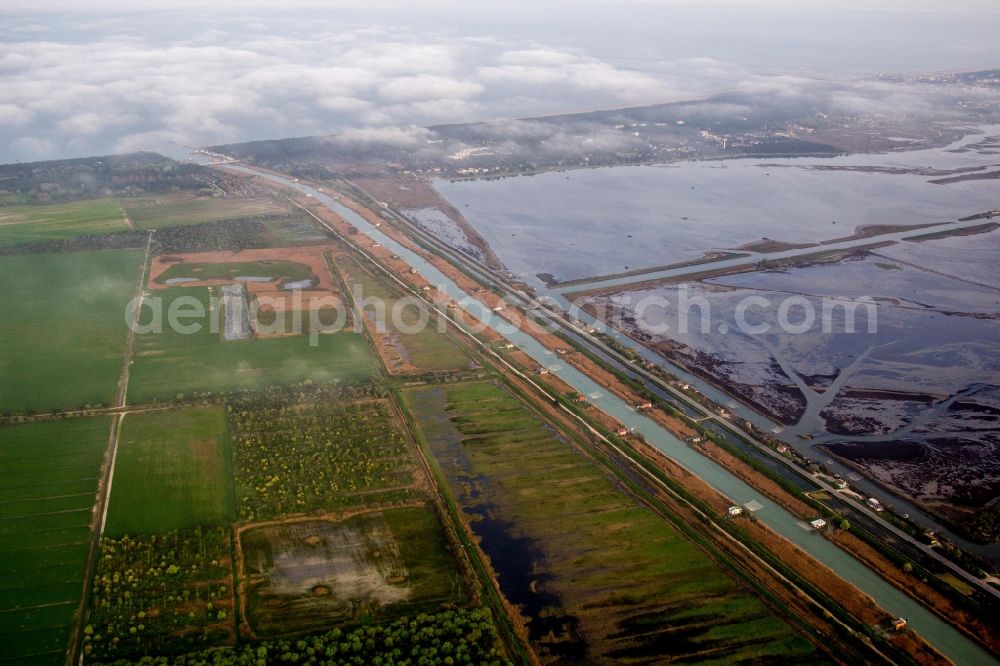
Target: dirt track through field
100, 511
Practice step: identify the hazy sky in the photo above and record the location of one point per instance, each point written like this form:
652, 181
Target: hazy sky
953, 6
113, 79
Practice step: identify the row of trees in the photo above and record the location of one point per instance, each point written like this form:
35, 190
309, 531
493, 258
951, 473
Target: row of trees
451, 637
236, 234
112, 175
113, 241
306, 390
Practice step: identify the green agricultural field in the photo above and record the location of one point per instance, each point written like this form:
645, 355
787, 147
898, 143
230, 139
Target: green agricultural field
170, 362
51, 471
54, 221
273, 323
64, 329
600, 577
310, 575
414, 349
171, 211
285, 271
308, 457
294, 230
173, 471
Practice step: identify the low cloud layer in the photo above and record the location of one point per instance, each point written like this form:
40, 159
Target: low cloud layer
76, 85
116, 87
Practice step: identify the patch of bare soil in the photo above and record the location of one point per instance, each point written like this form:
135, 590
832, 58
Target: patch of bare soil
310, 255
265, 297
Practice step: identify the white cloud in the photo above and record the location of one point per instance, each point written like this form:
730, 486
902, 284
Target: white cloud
396, 58
14, 61
784, 86
91, 122
113, 87
424, 87
393, 136
14, 115
343, 103
537, 57
115, 81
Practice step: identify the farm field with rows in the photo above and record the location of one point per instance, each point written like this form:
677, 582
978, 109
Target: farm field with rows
54, 221
64, 330
173, 471
174, 210
46, 503
334, 527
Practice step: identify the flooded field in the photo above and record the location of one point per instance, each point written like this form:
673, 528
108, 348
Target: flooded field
312, 574
971, 258
911, 405
912, 401
440, 225
597, 577
570, 225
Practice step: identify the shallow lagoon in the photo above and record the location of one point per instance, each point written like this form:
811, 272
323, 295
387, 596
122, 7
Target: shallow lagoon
913, 400
596, 221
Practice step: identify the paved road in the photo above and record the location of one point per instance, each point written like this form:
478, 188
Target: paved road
751, 258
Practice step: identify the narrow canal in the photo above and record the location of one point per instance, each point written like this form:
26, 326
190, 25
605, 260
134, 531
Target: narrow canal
939, 633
